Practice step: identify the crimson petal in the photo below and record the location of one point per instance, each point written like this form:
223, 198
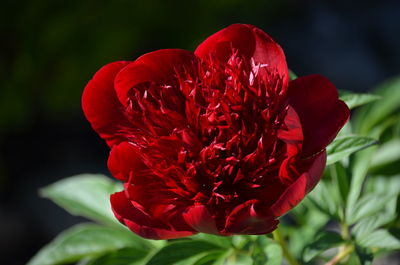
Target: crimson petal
245, 220
322, 114
251, 42
201, 220
140, 223
124, 160
303, 185
101, 106
158, 67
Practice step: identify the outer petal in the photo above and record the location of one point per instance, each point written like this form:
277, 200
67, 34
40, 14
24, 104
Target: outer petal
321, 113
245, 220
158, 67
250, 42
200, 219
303, 185
291, 132
140, 223
124, 160
101, 106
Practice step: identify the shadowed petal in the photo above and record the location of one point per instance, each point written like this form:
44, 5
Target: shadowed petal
303, 185
291, 132
201, 220
101, 106
140, 223
245, 220
321, 113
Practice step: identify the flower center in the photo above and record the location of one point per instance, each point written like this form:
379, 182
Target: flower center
211, 136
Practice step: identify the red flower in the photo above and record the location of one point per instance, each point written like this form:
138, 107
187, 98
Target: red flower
216, 141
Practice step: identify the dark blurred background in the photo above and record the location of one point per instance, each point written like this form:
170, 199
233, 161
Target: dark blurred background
49, 49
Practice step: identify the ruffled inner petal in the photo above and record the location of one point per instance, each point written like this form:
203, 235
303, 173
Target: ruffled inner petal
250, 42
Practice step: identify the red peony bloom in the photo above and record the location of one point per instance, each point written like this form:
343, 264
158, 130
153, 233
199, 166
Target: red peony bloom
216, 141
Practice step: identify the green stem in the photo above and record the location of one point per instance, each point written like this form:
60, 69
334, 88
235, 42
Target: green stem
344, 231
286, 253
343, 253
344, 250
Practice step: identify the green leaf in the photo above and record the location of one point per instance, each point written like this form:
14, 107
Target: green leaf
380, 238
360, 166
181, 250
240, 241
344, 146
222, 241
346, 130
274, 254
85, 195
341, 181
371, 223
318, 198
125, 256
307, 221
372, 115
353, 100
86, 240
384, 184
353, 259
265, 251
292, 75
368, 205
387, 153
325, 240
201, 258
379, 185
364, 255
258, 255
359, 172
212, 258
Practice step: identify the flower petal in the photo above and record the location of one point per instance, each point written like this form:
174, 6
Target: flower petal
140, 223
101, 106
158, 67
200, 219
321, 113
124, 160
245, 220
237, 36
303, 185
291, 132
251, 42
